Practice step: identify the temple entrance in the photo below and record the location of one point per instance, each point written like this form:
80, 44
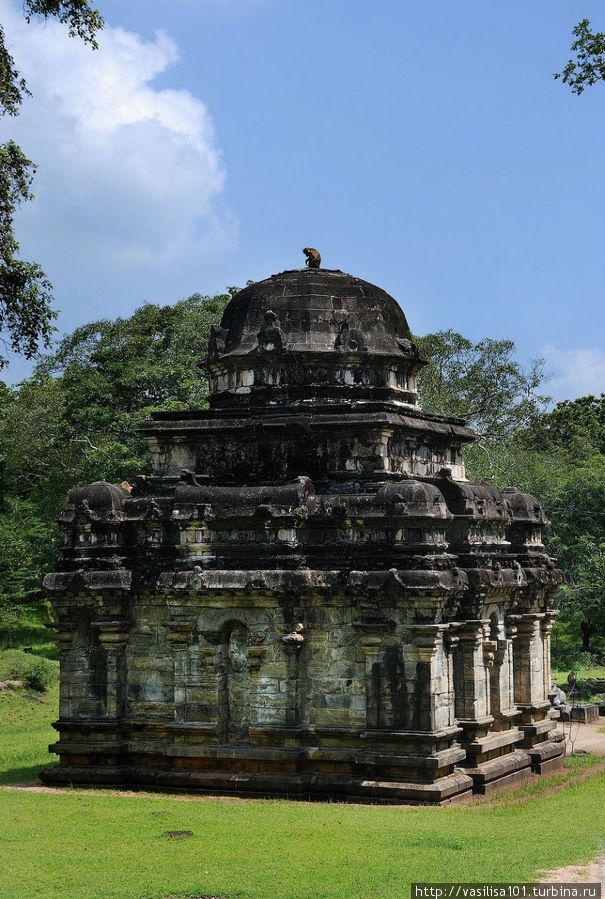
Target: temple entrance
234, 683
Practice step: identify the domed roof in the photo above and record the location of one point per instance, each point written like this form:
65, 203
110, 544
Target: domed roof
317, 311
99, 499
310, 333
415, 499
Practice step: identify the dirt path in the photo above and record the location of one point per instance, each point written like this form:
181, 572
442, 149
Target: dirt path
586, 736
593, 872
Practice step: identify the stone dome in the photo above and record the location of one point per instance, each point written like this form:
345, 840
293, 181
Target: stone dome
99, 500
300, 332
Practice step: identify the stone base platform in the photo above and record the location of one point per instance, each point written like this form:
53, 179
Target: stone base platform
499, 772
305, 787
547, 757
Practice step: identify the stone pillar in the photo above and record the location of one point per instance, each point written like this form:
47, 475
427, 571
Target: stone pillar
293, 644
531, 692
502, 698
63, 636
546, 627
113, 637
471, 676
368, 654
491, 753
426, 677
178, 632
529, 660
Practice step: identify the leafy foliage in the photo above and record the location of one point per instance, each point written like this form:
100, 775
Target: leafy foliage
589, 64
27, 549
75, 421
480, 382
582, 599
13, 87
25, 292
578, 425
83, 20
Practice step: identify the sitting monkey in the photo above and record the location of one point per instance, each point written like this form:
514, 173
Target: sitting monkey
313, 257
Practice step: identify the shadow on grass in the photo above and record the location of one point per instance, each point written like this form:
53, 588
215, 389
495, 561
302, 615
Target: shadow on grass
26, 774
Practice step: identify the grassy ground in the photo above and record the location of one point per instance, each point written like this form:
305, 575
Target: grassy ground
21, 627
25, 732
84, 845
80, 845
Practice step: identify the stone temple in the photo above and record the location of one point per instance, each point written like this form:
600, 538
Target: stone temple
306, 598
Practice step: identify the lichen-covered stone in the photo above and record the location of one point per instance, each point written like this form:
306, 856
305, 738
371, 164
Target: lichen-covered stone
307, 597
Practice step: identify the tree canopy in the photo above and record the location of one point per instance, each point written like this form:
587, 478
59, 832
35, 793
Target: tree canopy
26, 313
588, 66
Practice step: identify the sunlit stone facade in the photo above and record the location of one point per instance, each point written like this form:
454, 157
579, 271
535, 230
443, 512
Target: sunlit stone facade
306, 598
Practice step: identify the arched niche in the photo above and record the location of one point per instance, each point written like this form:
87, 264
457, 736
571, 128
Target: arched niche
233, 683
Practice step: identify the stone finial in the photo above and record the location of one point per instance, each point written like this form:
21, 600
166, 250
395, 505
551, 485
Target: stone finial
313, 257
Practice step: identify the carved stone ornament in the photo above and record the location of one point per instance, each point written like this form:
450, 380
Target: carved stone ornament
270, 337
217, 343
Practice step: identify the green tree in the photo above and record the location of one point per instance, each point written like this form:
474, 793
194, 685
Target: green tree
588, 67
26, 313
576, 425
75, 421
484, 384
582, 599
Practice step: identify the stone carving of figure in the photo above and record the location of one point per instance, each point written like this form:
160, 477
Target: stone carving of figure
350, 336
270, 337
218, 340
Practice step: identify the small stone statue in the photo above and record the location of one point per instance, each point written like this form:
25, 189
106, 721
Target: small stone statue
313, 257
270, 337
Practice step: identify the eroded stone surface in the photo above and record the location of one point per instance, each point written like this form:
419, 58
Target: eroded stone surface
307, 597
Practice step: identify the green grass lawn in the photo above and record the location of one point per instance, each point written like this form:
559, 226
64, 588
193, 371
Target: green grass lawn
82, 845
25, 732
79, 844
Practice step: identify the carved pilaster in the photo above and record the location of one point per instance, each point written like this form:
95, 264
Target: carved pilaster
528, 660
530, 681
293, 643
179, 632
63, 634
427, 676
369, 650
113, 637
471, 676
546, 627
502, 699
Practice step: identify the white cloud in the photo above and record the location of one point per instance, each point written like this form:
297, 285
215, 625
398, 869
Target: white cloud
129, 170
575, 372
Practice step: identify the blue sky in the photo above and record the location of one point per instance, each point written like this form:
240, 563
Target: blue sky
422, 146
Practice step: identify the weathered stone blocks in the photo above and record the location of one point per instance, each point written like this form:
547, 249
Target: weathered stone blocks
306, 597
